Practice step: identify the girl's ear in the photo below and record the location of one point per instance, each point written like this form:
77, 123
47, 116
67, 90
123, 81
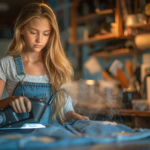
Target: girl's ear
21, 30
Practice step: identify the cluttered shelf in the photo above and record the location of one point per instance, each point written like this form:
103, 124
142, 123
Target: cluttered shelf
94, 15
115, 53
99, 109
100, 38
95, 39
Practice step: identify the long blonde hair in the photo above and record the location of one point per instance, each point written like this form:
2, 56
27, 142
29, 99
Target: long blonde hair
58, 67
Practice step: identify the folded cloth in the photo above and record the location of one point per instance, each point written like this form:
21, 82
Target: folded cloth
73, 133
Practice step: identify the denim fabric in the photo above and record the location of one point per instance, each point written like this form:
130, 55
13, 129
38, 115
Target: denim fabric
19, 64
34, 90
74, 133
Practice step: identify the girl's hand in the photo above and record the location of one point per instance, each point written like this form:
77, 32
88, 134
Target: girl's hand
72, 115
79, 117
20, 104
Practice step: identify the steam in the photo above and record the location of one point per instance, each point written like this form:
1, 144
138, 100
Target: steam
93, 98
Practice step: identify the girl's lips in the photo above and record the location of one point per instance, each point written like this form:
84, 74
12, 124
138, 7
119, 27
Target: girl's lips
37, 45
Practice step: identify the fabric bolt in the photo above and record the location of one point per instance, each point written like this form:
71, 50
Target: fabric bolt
9, 73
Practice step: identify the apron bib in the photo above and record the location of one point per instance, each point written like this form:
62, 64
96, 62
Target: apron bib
34, 90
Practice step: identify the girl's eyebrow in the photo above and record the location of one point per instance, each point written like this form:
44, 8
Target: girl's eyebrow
38, 30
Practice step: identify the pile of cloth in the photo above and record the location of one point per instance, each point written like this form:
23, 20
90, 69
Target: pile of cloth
73, 133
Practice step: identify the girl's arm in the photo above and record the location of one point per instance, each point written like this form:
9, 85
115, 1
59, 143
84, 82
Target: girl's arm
3, 103
72, 115
19, 104
69, 111
2, 85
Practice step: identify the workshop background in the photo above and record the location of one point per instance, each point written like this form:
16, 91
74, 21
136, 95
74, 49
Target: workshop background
107, 42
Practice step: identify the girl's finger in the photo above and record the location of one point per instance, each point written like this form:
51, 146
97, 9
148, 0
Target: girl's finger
22, 105
85, 118
80, 117
27, 104
14, 107
18, 106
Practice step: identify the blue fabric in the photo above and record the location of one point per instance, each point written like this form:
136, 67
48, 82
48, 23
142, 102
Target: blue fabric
81, 132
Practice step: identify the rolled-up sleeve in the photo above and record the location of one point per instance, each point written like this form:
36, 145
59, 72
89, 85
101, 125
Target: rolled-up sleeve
68, 105
2, 70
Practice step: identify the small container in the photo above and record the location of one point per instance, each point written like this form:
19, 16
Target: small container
141, 105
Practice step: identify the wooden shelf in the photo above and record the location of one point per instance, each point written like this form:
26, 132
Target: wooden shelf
114, 53
141, 26
126, 37
95, 39
100, 38
94, 16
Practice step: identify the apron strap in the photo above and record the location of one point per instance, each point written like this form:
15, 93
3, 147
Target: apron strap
53, 96
19, 65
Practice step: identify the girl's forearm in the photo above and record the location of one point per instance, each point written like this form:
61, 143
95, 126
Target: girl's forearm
4, 103
69, 115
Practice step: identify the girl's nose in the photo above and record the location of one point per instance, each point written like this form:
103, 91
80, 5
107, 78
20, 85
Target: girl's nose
39, 38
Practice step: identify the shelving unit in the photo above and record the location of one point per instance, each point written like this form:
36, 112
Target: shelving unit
92, 17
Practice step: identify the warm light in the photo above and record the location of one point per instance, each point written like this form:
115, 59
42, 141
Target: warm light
90, 82
97, 10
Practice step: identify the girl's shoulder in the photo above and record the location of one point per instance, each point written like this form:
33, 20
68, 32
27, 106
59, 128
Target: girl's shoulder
6, 59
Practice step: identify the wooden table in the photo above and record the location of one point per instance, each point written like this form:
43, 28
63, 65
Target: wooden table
140, 118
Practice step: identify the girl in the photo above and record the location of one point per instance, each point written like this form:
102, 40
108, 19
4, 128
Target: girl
35, 66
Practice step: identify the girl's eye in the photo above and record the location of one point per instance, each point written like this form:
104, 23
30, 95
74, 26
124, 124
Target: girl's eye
33, 33
46, 34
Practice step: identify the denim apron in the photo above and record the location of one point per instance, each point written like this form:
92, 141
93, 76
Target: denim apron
34, 90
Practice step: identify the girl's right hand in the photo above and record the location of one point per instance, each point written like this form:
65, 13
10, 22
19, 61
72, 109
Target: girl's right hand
20, 104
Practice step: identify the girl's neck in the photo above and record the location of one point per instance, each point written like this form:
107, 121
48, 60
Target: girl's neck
31, 57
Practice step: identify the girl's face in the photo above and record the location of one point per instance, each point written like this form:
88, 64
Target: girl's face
36, 34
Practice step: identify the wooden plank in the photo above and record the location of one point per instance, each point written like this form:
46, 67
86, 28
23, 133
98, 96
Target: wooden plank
141, 26
94, 15
117, 19
114, 53
95, 39
100, 38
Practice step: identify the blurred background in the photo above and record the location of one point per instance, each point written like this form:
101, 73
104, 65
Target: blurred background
108, 44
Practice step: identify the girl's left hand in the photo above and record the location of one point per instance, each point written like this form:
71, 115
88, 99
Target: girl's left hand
80, 117
72, 115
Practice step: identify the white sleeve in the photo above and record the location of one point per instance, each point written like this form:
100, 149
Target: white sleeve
2, 70
68, 105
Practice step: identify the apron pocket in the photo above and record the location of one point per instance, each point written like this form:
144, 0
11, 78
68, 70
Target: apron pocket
43, 97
